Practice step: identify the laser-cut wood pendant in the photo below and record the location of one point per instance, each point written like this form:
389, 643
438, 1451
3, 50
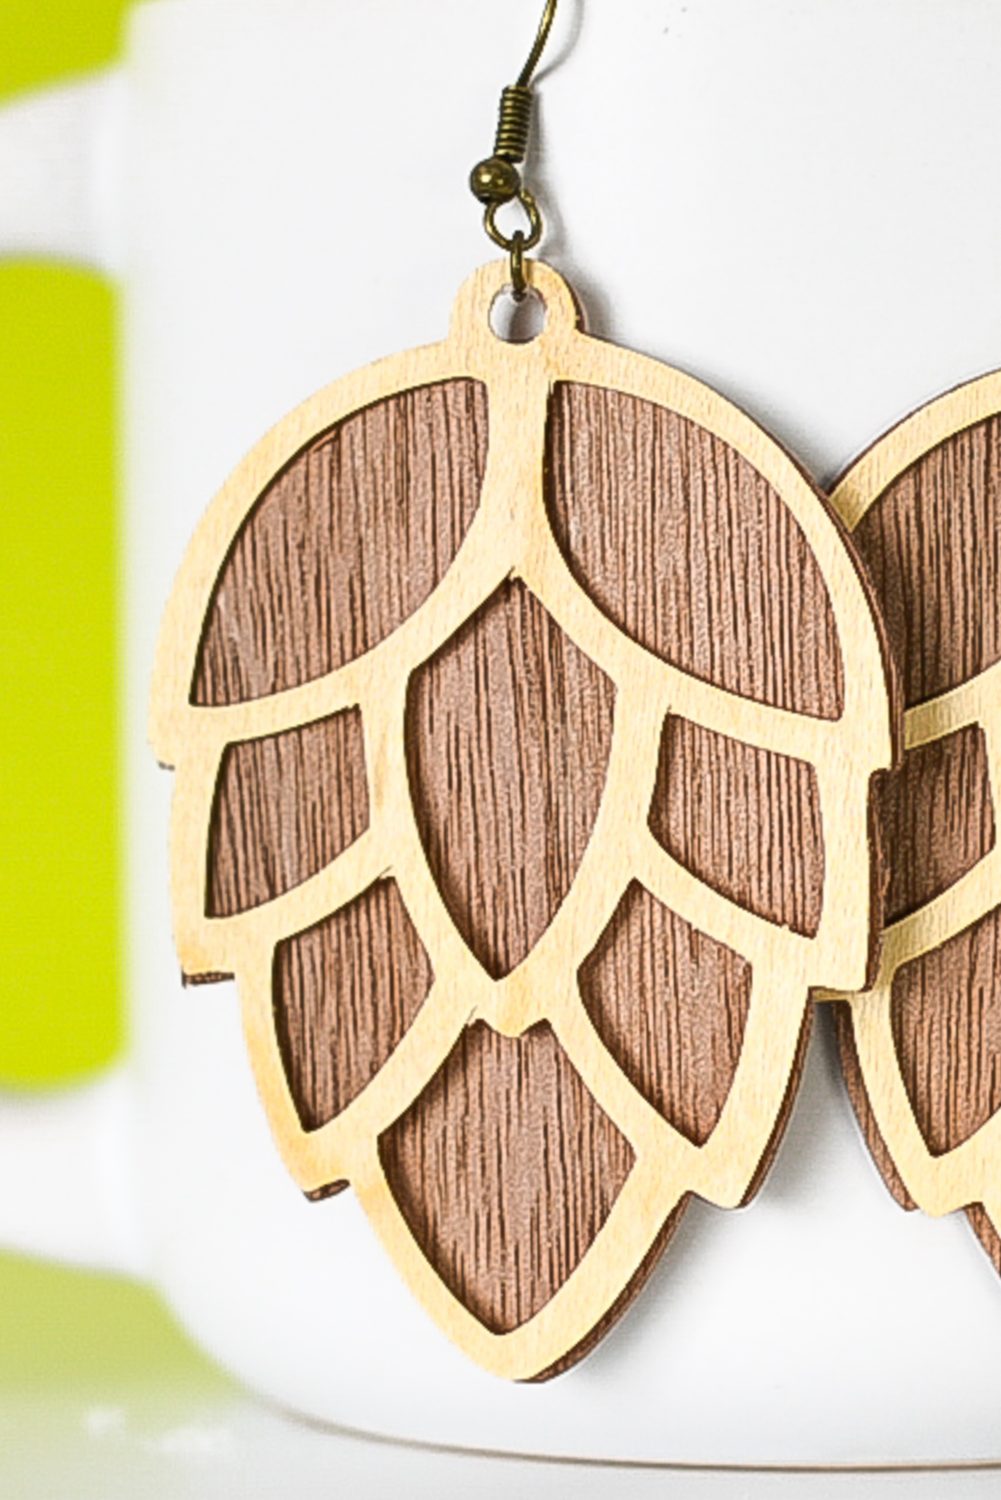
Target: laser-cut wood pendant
524, 701
921, 1050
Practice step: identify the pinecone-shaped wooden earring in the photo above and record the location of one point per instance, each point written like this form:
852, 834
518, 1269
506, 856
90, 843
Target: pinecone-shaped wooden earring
524, 700
922, 1049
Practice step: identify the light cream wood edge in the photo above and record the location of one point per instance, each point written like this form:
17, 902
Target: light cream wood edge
970, 1173
511, 536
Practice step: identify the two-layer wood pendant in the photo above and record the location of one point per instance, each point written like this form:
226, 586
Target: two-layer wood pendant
524, 701
921, 1049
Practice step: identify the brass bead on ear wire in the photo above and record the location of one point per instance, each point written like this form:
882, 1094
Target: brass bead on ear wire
495, 180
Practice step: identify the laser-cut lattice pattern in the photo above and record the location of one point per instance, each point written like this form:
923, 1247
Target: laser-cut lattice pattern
611, 1156
921, 1049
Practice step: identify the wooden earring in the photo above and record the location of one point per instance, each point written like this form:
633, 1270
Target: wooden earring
524, 701
921, 1049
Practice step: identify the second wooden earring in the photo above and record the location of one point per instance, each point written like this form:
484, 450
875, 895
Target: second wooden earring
922, 1049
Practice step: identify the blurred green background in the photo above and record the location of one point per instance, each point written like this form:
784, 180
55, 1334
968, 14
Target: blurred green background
58, 869
60, 975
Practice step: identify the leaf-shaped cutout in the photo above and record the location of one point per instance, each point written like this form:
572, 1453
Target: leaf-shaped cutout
345, 543
744, 820
284, 807
345, 994
937, 818
509, 729
505, 1169
689, 550
670, 1004
946, 1013
932, 544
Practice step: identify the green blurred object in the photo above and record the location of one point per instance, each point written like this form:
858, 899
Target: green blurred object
73, 1332
60, 990
60, 985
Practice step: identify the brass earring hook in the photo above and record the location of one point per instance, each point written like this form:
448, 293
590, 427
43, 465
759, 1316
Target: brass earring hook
497, 180
539, 46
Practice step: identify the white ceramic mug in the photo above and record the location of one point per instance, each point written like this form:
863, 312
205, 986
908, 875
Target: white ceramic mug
797, 201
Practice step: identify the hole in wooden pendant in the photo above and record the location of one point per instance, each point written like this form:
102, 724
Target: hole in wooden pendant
505, 1169
345, 543
744, 820
946, 1013
345, 993
517, 320
932, 544
285, 806
670, 1004
509, 729
937, 818
689, 550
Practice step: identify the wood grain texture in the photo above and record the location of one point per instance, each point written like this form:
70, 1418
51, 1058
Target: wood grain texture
921, 1048
936, 818
413, 1008
509, 729
285, 806
690, 551
932, 544
744, 820
345, 543
346, 991
670, 1005
504, 1201
946, 1013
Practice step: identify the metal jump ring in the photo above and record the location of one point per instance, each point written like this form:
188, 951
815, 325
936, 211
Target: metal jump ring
519, 285
507, 242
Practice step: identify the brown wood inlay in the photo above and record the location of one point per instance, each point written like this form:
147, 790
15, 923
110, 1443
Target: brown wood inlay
689, 550
946, 1011
505, 1169
345, 993
932, 543
937, 818
508, 732
346, 543
670, 1004
285, 806
744, 820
